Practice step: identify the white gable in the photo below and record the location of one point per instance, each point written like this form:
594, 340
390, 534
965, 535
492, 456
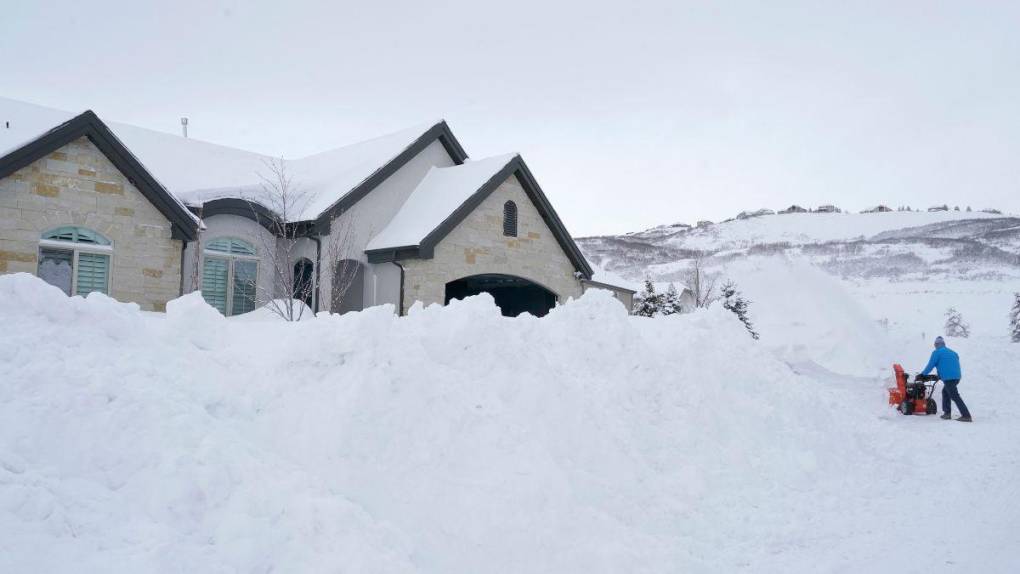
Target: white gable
439, 194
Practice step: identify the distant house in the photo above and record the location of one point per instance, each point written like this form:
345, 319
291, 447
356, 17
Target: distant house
759, 213
878, 209
146, 216
938, 208
828, 209
793, 209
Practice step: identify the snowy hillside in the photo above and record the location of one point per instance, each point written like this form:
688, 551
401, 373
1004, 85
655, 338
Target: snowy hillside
443, 442
897, 245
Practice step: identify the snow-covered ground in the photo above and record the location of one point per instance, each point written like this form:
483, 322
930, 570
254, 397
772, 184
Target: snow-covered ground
456, 440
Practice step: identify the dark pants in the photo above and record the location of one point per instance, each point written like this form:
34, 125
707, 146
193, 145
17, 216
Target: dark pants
949, 392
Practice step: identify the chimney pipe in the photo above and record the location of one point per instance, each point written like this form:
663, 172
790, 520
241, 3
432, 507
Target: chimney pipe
184, 126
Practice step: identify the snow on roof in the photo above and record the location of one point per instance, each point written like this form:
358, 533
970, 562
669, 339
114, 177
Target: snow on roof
439, 194
196, 171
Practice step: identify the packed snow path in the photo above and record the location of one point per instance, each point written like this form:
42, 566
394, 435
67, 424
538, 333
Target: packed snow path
455, 440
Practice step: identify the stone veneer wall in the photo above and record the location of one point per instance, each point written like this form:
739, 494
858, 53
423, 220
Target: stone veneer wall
77, 185
477, 245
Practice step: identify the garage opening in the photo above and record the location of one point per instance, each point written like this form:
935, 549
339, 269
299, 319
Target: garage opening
513, 295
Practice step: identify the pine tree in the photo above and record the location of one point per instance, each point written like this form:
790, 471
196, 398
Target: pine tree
649, 302
1014, 319
671, 304
955, 326
735, 302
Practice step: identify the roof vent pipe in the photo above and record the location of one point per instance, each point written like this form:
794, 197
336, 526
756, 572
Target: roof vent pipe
184, 126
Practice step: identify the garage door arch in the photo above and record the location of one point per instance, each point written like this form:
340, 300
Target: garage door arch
514, 295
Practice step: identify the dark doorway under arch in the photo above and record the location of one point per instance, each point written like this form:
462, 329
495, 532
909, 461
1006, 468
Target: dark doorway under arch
304, 285
513, 295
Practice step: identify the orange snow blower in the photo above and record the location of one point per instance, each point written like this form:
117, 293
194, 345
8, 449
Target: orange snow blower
913, 398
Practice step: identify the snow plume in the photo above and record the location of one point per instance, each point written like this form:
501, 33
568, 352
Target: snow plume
450, 440
806, 315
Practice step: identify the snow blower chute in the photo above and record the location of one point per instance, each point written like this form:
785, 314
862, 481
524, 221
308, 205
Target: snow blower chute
913, 398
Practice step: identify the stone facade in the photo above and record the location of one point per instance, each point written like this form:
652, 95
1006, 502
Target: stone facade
477, 246
77, 185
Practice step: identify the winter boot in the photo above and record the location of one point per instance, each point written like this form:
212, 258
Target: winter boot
965, 420
946, 417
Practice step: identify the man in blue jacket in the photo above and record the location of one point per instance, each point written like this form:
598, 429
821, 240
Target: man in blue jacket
948, 364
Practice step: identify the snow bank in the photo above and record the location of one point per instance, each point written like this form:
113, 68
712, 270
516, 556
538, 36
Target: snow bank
451, 440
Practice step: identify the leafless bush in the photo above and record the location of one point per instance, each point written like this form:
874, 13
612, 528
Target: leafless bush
700, 282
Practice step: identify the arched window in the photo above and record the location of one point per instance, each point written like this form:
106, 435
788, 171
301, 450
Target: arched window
75, 259
230, 275
510, 219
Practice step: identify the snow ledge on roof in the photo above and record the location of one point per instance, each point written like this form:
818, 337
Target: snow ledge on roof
440, 193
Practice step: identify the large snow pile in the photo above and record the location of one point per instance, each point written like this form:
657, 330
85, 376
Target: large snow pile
808, 316
457, 440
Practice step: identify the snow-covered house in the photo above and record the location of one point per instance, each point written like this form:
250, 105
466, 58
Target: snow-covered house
793, 209
146, 216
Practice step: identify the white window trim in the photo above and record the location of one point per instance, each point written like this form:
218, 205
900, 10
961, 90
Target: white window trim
68, 245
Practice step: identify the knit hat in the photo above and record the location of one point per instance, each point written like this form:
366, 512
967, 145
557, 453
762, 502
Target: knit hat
939, 342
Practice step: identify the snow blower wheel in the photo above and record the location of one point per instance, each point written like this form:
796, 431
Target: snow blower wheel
913, 398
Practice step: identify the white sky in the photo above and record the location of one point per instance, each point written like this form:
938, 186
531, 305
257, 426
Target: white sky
631, 114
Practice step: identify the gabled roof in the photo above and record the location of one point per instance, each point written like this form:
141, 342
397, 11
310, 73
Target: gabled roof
183, 224
197, 172
447, 195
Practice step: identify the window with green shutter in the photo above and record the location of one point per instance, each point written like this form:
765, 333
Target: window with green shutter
93, 273
214, 282
230, 275
75, 259
245, 275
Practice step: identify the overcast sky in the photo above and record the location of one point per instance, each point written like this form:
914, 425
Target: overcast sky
630, 114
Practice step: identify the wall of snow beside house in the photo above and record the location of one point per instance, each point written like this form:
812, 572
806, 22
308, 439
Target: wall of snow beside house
621, 294
78, 186
477, 246
370, 216
458, 440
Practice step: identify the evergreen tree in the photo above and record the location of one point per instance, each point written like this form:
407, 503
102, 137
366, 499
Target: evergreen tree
735, 302
671, 302
968, 209
1014, 318
955, 326
649, 302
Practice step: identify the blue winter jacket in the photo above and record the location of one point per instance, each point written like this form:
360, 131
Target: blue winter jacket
947, 362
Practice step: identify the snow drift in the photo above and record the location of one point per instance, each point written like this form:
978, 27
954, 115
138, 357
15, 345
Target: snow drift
451, 440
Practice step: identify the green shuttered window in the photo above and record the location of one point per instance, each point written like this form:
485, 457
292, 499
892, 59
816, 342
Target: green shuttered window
75, 259
214, 282
93, 273
230, 275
